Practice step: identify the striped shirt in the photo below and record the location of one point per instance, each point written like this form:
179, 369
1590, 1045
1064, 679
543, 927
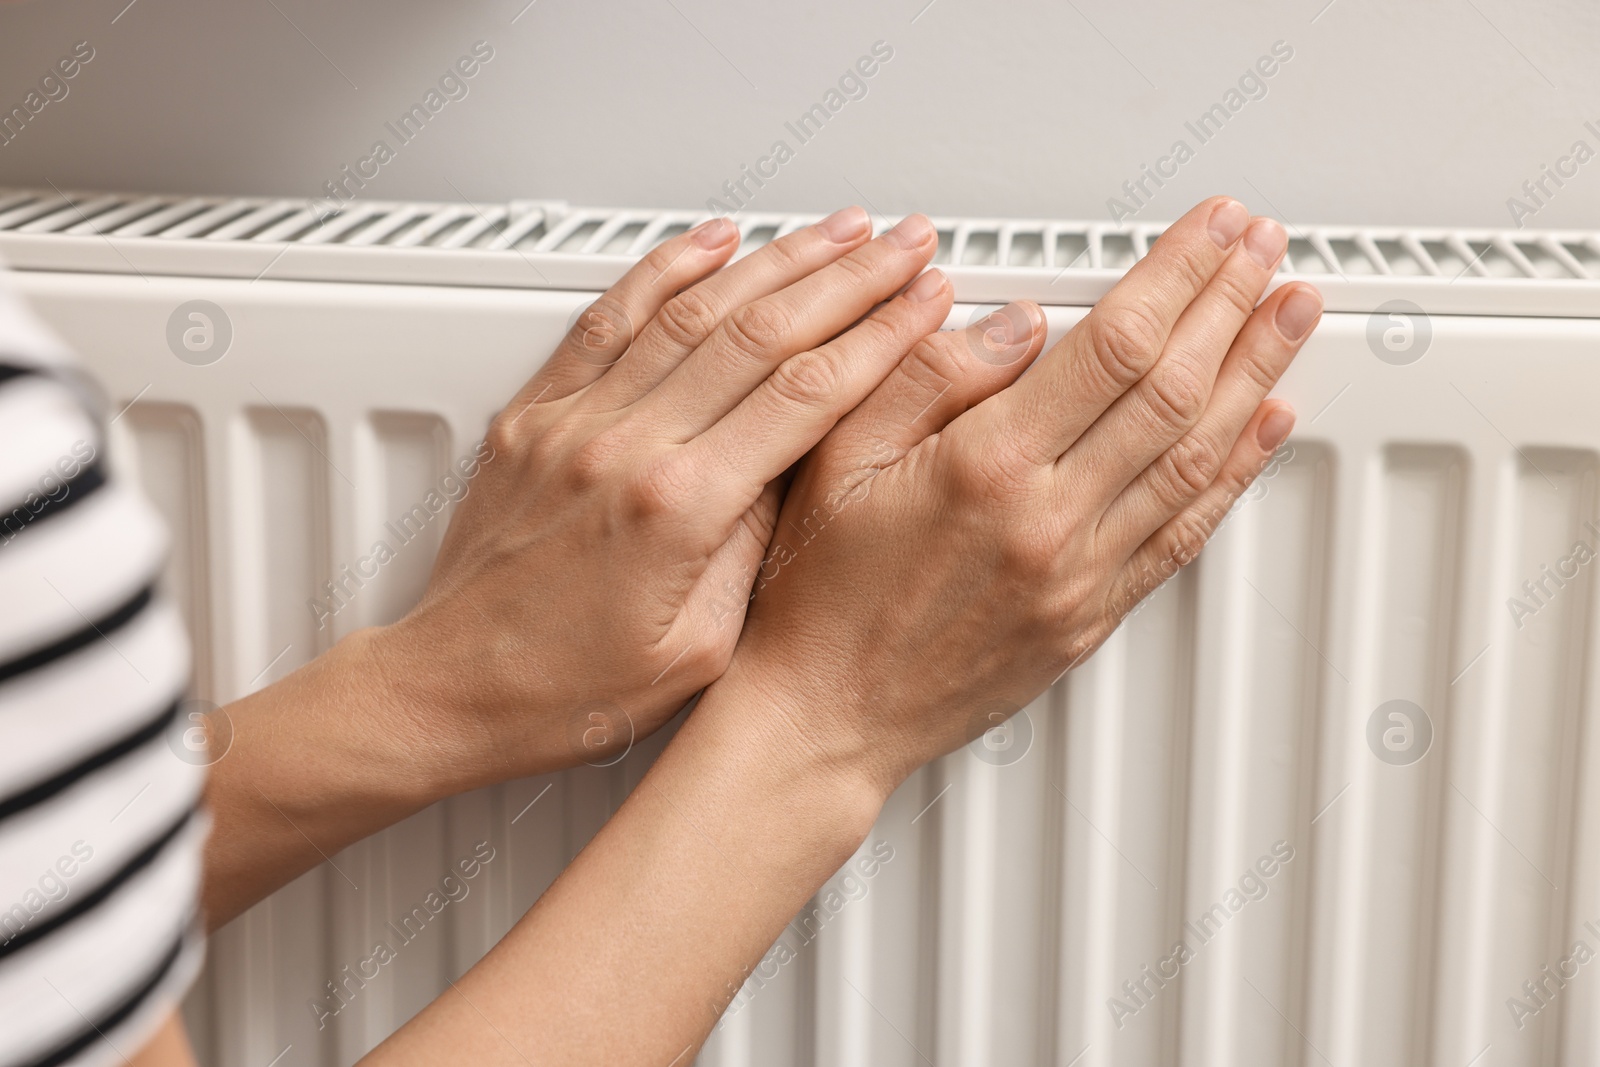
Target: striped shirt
100, 824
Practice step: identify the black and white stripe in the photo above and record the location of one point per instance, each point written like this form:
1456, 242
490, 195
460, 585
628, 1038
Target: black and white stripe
100, 821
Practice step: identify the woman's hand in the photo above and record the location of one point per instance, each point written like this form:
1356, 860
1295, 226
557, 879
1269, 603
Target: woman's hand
935, 568
597, 573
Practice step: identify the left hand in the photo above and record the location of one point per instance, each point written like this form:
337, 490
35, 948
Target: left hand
596, 574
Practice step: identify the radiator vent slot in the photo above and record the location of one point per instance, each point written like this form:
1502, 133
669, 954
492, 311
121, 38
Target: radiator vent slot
587, 248
444, 226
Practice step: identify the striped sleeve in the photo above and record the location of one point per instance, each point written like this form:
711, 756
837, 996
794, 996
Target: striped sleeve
100, 821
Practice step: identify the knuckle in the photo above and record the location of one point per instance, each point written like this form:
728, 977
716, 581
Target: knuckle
1123, 596
502, 435
986, 473
963, 458
880, 332
1234, 482
594, 462
1191, 466
526, 424
808, 380
789, 251
1125, 341
930, 369
1127, 590
859, 267
659, 260
1193, 263
653, 489
758, 329
969, 477
1176, 394
688, 318
1078, 648
602, 328
1257, 368
1237, 291
1187, 536
1029, 554
932, 362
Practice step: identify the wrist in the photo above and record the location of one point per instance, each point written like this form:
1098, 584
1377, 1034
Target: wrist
353, 708
793, 731
421, 716
307, 766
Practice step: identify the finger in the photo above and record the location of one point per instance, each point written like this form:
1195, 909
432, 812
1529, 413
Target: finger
1120, 339
1180, 538
682, 324
1170, 399
602, 332
799, 402
756, 338
942, 376
1263, 351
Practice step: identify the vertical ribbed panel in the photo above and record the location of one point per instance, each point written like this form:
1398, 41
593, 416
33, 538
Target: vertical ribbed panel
1216, 854
843, 1003
1579, 1037
1332, 981
283, 517
967, 854
1405, 656
163, 446
1279, 553
1257, 670
875, 971
1526, 800
993, 854
1121, 797
1465, 1008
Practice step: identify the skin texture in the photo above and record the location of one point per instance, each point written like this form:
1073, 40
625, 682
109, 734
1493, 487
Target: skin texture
960, 538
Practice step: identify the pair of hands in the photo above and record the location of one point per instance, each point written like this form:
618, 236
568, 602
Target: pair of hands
956, 536
932, 536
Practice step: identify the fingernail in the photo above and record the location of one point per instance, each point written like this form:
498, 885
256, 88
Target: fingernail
1274, 429
1297, 312
1228, 222
1266, 242
844, 225
928, 285
714, 233
1012, 323
912, 232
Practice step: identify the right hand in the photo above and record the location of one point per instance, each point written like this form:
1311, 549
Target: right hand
935, 567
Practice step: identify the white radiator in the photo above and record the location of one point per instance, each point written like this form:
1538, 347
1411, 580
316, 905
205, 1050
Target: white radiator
1373, 686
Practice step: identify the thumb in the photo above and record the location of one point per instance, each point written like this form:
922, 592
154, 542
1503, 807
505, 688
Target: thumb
942, 376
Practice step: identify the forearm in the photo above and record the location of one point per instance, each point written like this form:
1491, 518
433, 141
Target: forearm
315, 762
632, 954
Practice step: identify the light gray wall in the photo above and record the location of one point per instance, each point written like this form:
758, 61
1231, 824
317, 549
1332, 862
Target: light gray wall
1427, 112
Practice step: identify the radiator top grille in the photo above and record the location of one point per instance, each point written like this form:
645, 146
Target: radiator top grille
571, 247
